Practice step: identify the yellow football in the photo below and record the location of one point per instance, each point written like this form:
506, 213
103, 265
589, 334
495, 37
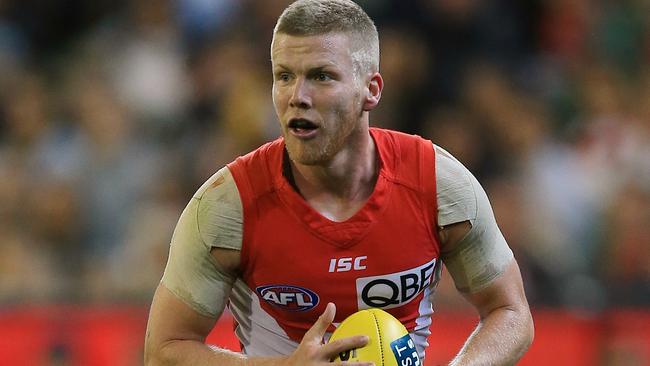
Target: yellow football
389, 344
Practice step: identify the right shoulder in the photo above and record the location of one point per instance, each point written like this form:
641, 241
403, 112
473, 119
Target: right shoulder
218, 182
219, 212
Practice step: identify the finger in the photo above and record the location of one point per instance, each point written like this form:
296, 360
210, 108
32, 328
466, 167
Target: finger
333, 348
347, 363
317, 331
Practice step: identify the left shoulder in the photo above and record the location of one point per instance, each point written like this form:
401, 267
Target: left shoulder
459, 194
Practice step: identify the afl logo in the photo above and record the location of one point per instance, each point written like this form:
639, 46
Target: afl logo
290, 298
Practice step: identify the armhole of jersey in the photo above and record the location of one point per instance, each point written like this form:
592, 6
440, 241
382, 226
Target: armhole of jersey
428, 184
238, 172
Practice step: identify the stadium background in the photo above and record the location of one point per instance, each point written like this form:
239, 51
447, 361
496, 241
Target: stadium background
112, 113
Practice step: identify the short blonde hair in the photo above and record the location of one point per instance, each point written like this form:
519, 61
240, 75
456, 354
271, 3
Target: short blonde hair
316, 17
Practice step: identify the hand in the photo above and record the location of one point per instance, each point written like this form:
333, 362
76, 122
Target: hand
312, 351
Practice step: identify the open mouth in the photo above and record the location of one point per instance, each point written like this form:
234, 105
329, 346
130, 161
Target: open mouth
302, 127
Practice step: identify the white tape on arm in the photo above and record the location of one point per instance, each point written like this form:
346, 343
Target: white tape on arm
483, 254
213, 218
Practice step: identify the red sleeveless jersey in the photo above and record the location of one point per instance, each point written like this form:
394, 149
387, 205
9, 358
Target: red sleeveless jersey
296, 261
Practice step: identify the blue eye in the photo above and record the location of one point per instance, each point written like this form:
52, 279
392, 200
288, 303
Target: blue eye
323, 77
284, 77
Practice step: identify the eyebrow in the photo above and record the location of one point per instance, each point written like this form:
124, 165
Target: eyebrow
280, 66
311, 69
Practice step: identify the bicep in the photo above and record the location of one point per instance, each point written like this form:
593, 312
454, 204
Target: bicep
192, 293
192, 273
191, 309
475, 255
505, 292
171, 319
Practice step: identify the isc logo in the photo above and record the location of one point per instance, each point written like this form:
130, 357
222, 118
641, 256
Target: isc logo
291, 298
347, 264
393, 289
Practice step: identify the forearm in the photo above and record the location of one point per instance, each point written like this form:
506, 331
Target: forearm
187, 352
501, 338
176, 335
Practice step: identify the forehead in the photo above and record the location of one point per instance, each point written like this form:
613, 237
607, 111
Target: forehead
329, 48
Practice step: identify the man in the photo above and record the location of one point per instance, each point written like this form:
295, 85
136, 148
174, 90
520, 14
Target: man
332, 218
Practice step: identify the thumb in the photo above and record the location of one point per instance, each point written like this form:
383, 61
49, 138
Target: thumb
317, 331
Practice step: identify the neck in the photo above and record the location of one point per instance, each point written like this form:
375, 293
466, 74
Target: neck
349, 175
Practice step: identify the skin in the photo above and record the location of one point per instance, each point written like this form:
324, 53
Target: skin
335, 170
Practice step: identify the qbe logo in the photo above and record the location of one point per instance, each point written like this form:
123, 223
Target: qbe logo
291, 298
394, 289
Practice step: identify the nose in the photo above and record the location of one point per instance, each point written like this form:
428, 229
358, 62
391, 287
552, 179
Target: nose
300, 96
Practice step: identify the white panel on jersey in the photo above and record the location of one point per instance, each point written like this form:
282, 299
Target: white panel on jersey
422, 329
258, 332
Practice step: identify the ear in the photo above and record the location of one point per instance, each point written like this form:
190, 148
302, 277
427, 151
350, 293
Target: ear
373, 95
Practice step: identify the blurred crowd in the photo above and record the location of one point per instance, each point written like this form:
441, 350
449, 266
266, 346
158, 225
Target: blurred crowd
113, 113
